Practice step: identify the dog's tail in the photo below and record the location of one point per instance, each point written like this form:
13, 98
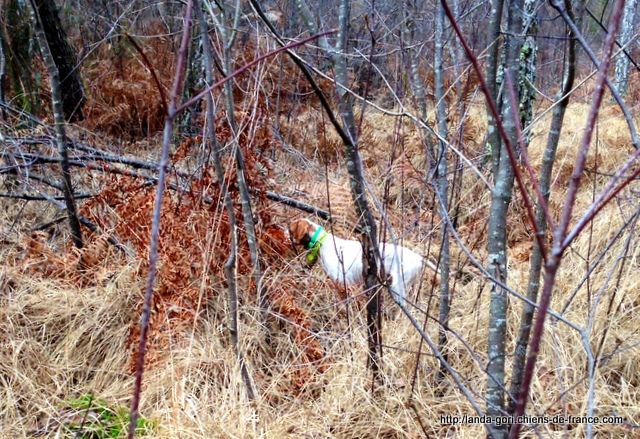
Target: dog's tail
466, 273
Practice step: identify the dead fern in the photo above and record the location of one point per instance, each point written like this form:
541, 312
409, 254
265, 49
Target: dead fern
123, 100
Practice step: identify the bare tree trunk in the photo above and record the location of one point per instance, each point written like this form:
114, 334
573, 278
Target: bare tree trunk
493, 138
230, 264
59, 123
548, 160
527, 68
416, 82
356, 179
442, 188
622, 65
17, 32
497, 232
228, 31
64, 57
348, 133
3, 75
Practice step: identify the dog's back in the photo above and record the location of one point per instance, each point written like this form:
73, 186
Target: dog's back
403, 265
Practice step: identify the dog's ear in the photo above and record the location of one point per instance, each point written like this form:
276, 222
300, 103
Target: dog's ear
299, 232
294, 232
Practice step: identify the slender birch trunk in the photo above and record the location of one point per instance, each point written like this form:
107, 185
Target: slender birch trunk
628, 28
358, 193
497, 232
494, 143
548, 160
442, 188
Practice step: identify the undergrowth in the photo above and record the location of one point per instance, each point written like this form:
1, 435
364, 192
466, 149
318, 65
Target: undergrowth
69, 319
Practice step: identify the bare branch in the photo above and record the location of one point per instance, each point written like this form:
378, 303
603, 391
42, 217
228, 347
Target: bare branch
149, 67
155, 225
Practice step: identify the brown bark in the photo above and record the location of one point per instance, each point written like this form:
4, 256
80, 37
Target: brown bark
59, 124
64, 56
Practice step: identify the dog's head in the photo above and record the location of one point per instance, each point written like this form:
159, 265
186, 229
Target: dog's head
301, 231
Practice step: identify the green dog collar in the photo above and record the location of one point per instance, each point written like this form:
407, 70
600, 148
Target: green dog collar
314, 245
314, 238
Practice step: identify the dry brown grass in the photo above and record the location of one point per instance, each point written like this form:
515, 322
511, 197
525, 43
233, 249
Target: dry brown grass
64, 335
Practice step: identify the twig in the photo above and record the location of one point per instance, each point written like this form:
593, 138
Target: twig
98, 154
155, 224
28, 197
41, 178
149, 66
153, 166
49, 224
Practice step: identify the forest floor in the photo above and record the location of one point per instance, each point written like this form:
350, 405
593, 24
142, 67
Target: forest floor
68, 318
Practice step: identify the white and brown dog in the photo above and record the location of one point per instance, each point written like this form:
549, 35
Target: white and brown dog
341, 259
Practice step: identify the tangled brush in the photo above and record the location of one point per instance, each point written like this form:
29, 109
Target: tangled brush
123, 99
